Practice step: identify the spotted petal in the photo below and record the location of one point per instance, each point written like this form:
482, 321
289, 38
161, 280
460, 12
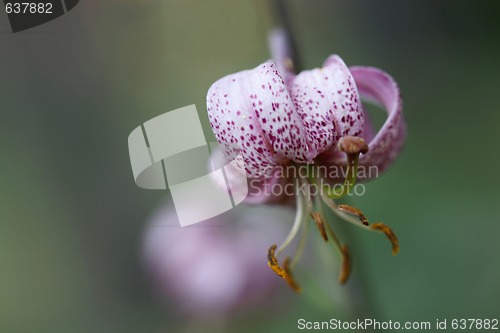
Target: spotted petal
328, 101
379, 87
252, 114
375, 84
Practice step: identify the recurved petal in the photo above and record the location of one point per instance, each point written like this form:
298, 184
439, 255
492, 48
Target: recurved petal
328, 102
252, 114
369, 131
376, 86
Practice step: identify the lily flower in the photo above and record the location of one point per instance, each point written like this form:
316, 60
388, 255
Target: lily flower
293, 129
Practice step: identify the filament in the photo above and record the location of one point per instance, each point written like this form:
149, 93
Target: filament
299, 220
377, 227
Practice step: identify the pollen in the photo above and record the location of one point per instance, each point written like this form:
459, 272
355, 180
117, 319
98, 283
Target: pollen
390, 235
285, 272
320, 223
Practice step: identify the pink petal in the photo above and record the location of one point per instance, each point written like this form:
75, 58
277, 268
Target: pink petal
267, 190
252, 113
260, 190
379, 87
329, 104
369, 131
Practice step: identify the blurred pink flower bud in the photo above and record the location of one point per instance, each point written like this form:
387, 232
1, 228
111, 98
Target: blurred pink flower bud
216, 266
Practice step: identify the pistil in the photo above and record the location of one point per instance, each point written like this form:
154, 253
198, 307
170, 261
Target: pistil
352, 146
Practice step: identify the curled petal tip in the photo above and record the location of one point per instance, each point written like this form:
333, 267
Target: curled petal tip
377, 86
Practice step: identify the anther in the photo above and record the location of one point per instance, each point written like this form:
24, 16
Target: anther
346, 264
320, 223
354, 211
272, 262
390, 235
284, 272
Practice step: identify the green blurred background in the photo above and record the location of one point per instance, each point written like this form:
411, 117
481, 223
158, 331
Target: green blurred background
71, 217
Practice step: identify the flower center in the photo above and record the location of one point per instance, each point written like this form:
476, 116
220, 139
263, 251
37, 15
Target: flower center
310, 208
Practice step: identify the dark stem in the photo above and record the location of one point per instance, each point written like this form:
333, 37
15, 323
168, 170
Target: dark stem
281, 15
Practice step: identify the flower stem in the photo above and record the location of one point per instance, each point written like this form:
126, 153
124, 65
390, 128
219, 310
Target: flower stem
281, 16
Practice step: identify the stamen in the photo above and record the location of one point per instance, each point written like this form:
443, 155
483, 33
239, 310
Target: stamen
352, 146
284, 272
299, 220
272, 262
320, 223
303, 238
333, 206
344, 251
354, 211
289, 277
305, 183
378, 227
390, 235
302, 245
346, 264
